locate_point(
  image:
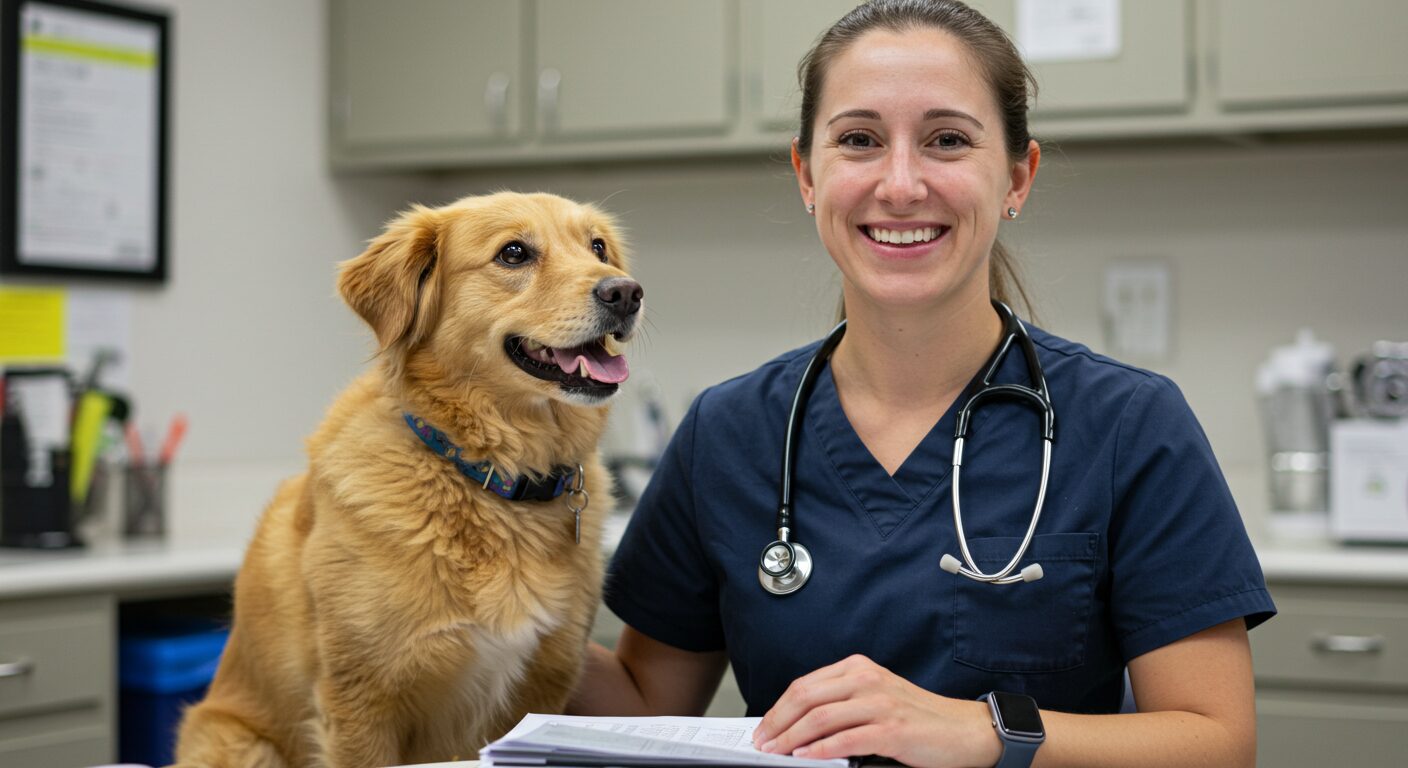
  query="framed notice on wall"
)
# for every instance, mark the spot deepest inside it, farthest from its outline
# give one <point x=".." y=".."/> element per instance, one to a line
<point x="84" y="90"/>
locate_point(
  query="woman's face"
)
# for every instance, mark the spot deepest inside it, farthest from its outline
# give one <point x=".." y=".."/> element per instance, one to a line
<point x="908" y="170"/>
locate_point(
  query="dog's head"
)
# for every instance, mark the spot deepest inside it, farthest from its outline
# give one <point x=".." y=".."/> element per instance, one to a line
<point x="527" y="294"/>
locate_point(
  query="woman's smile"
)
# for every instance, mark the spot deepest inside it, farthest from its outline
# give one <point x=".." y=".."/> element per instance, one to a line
<point x="903" y="240"/>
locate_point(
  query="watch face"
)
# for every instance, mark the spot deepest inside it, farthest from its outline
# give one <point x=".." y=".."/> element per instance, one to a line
<point x="1018" y="713"/>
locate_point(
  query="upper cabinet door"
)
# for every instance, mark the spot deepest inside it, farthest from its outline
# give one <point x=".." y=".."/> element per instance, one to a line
<point x="776" y="35"/>
<point x="633" y="67"/>
<point x="1288" y="53"/>
<point x="425" y="72"/>
<point x="1151" y="72"/>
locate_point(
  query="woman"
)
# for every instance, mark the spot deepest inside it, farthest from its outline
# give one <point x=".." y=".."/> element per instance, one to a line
<point x="913" y="147"/>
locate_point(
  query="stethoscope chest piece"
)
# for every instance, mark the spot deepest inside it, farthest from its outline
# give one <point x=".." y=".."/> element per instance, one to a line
<point x="784" y="567"/>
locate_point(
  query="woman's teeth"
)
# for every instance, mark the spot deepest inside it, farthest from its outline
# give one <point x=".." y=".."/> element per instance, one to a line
<point x="903" y="237"/>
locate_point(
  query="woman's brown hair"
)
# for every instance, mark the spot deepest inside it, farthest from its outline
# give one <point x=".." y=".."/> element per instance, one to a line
<point x="1009" y="78"/>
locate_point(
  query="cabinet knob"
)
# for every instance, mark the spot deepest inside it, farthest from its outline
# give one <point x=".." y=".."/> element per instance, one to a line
<point x="16" y="668"/>
<point x="1348" y="643"/>
<point x="549" y="83"/>
<point x="496" y="100"/>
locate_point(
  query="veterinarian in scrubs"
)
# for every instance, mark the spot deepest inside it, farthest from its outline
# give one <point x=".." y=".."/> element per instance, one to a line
<point x="913" y="153"/>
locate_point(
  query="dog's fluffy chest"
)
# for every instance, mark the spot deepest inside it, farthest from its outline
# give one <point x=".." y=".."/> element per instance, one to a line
<point x="500" y="660"/>
<point x="481" y="692"/>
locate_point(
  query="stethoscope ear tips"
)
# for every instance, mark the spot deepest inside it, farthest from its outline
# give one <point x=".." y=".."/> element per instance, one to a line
<point x="951" y="564"/>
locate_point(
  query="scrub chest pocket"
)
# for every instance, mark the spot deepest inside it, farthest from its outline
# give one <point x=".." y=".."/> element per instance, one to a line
<point x="1037" y="626"/>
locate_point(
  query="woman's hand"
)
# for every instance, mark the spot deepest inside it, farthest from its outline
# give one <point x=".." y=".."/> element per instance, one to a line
<point x="857" y="707"/>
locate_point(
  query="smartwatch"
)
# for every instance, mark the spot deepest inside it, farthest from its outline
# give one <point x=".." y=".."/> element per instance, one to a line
<point x="1017" y="721"/>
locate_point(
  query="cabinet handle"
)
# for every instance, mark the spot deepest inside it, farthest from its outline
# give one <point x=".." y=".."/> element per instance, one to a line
<point x="496" y="100"/>
<point x="549" y="82"/>
<point x="16" y="668"/>
<point x="1348" y="643"/>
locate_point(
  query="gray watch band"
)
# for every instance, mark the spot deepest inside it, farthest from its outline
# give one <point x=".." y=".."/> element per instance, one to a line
<point x="1016" y="754"/>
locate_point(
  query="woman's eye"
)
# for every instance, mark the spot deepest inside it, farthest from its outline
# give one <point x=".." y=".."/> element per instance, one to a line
<point x="599" y="248"/>
<point x="951" y="140"/>
<point x="857" y="140"/>
<point x="513" y="254"/>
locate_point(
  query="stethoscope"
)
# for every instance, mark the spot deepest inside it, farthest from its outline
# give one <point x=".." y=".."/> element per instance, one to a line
<point x="785" y="565"/>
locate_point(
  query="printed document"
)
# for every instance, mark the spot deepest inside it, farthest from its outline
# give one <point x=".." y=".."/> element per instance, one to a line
<point x="565" y="740"/>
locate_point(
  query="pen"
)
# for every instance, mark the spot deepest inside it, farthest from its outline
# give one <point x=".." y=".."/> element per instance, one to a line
<point x="173" y="439"/>
<point x="134" y="446"/>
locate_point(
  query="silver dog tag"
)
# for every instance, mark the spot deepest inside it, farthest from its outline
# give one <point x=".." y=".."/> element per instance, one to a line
<point x="577" y="491"/>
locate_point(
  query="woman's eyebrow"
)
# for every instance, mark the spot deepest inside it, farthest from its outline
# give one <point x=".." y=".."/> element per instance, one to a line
<point x="932" y="114"/>
<point x="867" y="114"/>
<point x="935" y="114"/>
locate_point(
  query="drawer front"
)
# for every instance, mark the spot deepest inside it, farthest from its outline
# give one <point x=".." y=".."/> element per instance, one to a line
<point x="93" y="746"/>
<point x="55" y="654"/>
<point x="1335" y="643"/>
<point x="1313" y="730"/>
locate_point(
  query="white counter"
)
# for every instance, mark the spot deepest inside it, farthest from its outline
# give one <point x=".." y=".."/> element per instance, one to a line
<point x="120" y="568"/>
<point x="123" y="567"/>
<point x="1326" y="562"/>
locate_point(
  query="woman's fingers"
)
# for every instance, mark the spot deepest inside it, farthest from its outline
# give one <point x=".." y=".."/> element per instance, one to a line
<point x="812" y="689"/>
<point x="832" y="726"/>
<point x="864" y="739"/>
<point x="826" y="686"/>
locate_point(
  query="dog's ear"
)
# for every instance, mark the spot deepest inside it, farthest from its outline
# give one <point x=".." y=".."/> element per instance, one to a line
<point x="393" y="285"/>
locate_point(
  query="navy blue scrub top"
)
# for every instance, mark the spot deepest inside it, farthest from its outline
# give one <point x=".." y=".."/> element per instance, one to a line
<point x="1140" y="539"/>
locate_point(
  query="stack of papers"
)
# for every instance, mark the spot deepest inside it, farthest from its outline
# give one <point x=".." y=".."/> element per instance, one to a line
<point x="590" y="742"/>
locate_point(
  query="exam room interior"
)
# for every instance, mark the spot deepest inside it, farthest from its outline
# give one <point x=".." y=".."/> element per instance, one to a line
<point x="249" y="338"/>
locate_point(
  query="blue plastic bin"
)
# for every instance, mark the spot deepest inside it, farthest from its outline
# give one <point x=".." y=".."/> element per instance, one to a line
<point x="163" y="666"/>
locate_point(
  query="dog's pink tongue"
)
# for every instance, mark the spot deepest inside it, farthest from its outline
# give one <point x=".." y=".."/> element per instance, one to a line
<point x="594" y="362"/>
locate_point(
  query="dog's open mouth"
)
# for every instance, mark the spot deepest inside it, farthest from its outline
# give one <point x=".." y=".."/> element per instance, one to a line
<point x="586" y="368"/>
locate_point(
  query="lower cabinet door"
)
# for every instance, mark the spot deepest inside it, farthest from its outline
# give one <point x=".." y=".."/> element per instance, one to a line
<point x="1318" y="729"/>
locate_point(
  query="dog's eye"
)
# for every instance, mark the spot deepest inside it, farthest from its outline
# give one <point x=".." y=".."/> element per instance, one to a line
<point x="513" y="254"/>
<point x="599" y="248"/>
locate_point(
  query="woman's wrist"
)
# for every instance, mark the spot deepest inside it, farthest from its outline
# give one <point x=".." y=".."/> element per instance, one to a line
<point x="986" y="747"/>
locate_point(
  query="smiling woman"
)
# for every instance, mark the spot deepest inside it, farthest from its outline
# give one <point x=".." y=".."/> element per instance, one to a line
<point x="913" y="152"/>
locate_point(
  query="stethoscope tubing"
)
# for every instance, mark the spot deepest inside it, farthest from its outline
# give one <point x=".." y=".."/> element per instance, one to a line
<point x="785" y="566"/>
<point x="1003" y="576"/>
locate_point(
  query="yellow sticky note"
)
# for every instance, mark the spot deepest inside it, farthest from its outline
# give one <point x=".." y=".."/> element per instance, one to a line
<point x="31" y="324"/>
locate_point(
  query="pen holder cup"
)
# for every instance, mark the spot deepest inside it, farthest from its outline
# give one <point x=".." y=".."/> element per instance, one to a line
<point x="144" y="510"/>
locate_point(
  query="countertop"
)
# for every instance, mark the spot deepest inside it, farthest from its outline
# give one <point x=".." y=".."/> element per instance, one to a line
<point x="120" y="567"/>
<point x="133" y="566"/>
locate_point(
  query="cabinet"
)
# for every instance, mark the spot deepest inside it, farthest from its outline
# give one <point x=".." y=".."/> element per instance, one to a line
<point x="1151" y="72"/>
<point x="1332" y="676"/>
<point x="776" y="35"/>
<point x="426" y="72"/>
<point x="434" y="82"/>
<point x="453" y="83"/>
<point x="56" y="673"/>
<point x="633" y="68"/>
<point x="1352" y="52"/>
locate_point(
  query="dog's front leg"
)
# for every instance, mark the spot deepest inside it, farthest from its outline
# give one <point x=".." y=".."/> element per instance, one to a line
<point x="355" y="720"/>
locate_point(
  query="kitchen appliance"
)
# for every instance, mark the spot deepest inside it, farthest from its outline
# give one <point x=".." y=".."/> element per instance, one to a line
<point x="1369" y="478"/>
<point x="1297" y="401"/>
<point x="1381" y="381"/>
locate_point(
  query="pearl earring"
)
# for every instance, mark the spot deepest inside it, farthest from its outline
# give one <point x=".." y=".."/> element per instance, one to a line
<point x="811" y="208"/>
<point x="1011" y="213"/>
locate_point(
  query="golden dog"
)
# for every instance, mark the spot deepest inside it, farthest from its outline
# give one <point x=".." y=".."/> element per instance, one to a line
<point x="390" y="609"/>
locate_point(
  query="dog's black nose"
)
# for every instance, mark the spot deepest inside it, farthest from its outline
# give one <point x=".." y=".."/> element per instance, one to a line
<point x="621" y="295"/>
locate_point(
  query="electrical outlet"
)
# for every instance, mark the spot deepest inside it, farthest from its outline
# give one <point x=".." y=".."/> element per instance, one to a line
<point x="1138" y="310"/>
